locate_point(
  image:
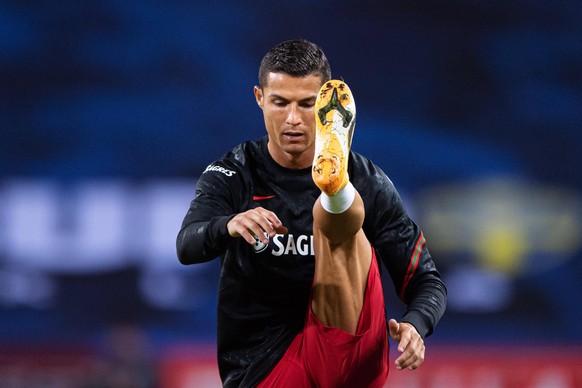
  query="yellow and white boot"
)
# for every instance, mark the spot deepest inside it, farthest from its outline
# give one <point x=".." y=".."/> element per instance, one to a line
<point x="335" y="119"/>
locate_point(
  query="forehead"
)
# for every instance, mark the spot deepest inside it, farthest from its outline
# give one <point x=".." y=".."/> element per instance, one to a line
<point x="283" y="84"/>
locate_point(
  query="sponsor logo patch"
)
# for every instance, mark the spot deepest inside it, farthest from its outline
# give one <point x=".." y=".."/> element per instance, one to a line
<point x="259" y="246"/>
<point x="219" y="169"/>
<point x="286" y="244"/>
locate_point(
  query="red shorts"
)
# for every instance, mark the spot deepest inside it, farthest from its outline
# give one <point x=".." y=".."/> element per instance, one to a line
<point x="326" y="356"/>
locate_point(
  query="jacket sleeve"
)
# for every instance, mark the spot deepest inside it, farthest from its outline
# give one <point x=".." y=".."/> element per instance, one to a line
<point x="402" y="247"/>
<point x="204" y="235"/>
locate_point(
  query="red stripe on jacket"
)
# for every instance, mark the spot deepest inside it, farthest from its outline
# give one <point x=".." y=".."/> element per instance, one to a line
<point x="413" y="265"/>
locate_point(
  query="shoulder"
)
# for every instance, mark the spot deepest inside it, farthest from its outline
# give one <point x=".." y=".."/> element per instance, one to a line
<point x="234" y="161"/>
<point x="373" y="184"/>
<point x="243" y="152"/>
<point x="360" y="163"/>
<point x="366" y="172"/>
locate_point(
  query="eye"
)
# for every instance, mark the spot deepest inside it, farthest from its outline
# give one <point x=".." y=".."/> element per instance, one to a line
<point x="279" y="103"/>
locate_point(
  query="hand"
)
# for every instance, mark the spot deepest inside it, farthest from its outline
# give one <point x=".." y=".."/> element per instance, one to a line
<point x="410" y="344"/>
<point x="255" y="222"/>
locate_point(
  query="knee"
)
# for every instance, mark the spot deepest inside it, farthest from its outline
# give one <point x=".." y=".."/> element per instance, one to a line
<point x="338" y="228"/>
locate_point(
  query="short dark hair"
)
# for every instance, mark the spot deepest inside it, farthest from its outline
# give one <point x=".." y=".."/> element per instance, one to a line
<point x="298" y="58"/>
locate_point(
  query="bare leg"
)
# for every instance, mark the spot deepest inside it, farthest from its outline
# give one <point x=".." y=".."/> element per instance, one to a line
<point x="342" y="261"/>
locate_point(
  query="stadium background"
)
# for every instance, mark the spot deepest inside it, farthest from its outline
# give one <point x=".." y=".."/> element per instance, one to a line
<point x="111" y="110"/>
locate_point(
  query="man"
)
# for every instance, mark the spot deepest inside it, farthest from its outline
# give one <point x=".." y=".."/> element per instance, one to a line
<point x="300" y="222"/>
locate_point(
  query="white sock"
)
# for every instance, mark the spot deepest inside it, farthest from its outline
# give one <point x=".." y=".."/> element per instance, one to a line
<point x="340" y="202"/>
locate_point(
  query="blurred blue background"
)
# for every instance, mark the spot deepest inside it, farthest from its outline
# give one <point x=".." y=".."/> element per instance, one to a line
<point x="111" y="110"/>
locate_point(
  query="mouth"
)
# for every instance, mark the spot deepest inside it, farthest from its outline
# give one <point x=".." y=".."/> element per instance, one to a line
<point x="294" y="135"/>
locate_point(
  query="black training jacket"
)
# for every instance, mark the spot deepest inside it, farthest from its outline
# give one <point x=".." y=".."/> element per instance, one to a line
<point x="264" y="290"/>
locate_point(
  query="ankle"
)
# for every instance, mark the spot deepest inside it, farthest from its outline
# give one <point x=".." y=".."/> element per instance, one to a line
<point x="339" y="202"/>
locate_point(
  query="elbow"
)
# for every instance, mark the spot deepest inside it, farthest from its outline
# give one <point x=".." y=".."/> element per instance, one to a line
<point x="191" y="250"/>
<point x="182" y="256"/>
<point x="187" y="258"/>
<point x="185" y="255"/>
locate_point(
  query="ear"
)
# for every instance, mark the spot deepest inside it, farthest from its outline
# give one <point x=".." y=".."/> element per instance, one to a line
<point x="258" y="96"/>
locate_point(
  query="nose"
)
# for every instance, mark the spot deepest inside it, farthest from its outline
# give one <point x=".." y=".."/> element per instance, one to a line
<point x="293" y="118"/>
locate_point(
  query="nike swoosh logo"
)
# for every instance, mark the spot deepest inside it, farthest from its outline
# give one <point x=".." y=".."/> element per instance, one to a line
<point x="262" y="197"/>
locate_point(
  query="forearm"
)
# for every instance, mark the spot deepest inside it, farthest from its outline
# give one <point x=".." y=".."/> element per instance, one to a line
<point x="199" y="242"/>
<point x="427" y="304"/>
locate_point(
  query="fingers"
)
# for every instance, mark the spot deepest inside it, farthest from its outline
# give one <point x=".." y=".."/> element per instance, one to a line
<point x="393" y="327"/>
<point x="281" y="230"/>
<point x="410" y="344"/>
<point x="255" y="222"/>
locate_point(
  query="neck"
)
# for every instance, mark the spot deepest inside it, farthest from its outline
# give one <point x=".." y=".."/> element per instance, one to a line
<point x="289" y="160"/>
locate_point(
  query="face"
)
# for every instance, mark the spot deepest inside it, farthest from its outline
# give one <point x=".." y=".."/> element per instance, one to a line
<point x="288" y="109"/>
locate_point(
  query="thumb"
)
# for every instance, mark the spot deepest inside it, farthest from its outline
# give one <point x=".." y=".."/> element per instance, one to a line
<point x="394" y="326"/>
